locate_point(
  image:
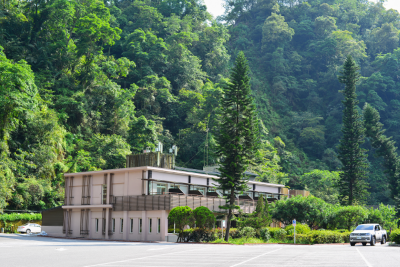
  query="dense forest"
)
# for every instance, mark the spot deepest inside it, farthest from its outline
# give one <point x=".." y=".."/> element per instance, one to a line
<point x="84" y="83"/>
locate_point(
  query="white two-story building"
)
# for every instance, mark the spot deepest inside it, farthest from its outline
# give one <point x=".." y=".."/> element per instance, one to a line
<point x="133" y="203"/>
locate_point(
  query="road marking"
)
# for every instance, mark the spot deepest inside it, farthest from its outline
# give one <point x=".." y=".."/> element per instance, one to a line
<point x="61" y="249"/>
<point x="362" y="256"/>
<point x="157" y="248"/>
<point x="102" y="264"/>
<point x="255" y="257"/>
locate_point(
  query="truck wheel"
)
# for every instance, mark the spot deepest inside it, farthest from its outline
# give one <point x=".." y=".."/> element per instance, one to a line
<point x="383" y="241"/>
<point x="373" y="240"/>
<point x="352" y="244"/>
<point x="364" y="244"/>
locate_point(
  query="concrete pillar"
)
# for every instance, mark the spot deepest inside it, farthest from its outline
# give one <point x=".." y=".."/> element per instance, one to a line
<point x="126" y="226"/>
<point x="91" y="229"/>
<point x="108" y="188"/>
<point x="107" y="221"/>
<point x="164" y="225"/>
<point x="144" y="226"/>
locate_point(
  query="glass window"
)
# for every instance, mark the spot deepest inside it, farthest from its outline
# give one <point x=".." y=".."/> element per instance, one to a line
<point x="182" y="187"/>
<point x="201" y="189"/>
<point x="161" y="188"/>
<point x="150" y="223"/>
<point x="365" y="227"/>
<point x="104" y="194"/>
<point x="140" y="225"/>
<point x="96" y="222"/>
<point x="158" y="225"/>
<point x="131" y="226"/>
<point x="121" y="225"/>
<point x="113" y="225"/>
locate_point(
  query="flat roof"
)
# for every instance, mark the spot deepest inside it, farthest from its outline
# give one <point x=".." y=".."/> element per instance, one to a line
<point x="147" y="168"/>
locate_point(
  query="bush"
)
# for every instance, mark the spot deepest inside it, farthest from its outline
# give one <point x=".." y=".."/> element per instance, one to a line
<point x="248" y="232"/>
<point x="395" y="236"/>
<point x="204" y="218"/>
<point x="264" y="234"/>
<point x="323" y="237"/>
<point x="233" y="233"/>
<point x="300" y="229"/>
<point x="277" y="233"/>
<point x="199" y="235"/>
<point x="12" y="217"/>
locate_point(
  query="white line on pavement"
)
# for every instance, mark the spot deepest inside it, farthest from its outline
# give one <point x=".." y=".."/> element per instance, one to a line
<point x="255" y="257"/>
<point x="362" y="256"/>
<point x="103" y="264"/>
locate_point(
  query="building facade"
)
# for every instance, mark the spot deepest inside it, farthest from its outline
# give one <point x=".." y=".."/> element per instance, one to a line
<point x="133" y="203"/>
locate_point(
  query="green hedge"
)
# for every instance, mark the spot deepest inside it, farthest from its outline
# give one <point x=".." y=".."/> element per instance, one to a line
<point x="12" y="217"/>
<point x="321" y="237"/>
<point x="300" y="229"/>
<point x="277" y="233"/>
<point x="395" y="236"/>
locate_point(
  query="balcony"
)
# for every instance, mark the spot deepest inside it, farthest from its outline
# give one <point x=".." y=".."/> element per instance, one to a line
<point x="170" y="201"/>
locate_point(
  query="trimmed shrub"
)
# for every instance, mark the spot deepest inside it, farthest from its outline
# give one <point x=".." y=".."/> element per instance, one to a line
<point x="264" y="234"/>
<point x="323" y="237"/>
<point x="234" y="233"/>
<point x="300" y="229"/>
<point x="247" y="232"/>
<point x="12" y="217"/>
<point x="395" y="236"/>
<point x="277" y="233"/>
<point x="199" y="235"/>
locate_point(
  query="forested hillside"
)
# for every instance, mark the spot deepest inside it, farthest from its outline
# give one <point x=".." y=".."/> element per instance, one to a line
<point x="84" y="83"/>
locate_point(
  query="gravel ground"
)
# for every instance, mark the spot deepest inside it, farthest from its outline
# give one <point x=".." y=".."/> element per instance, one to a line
<point x="22" y="250"/>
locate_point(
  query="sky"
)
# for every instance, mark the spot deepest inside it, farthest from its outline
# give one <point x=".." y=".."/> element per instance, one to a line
<point x="216" y="9"/>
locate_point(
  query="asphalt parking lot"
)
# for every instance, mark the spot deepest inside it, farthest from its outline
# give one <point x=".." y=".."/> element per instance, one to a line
<point x="22" y="250"/>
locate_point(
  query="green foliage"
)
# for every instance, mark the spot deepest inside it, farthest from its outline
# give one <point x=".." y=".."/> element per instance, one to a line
<point x="322" y="184"/>
<point x="237" y="139"/>
<point x="265" y="234"/>
<point x="349" y="216"/>
<point x="247" y="232"/>
<point x="277" y="233"/>
<point x="181" y="216"/>
<point x="395" y="236"/>
<point x="309" y="210"/>
<point x="300" y="229"/>
<point x="323" y="237"/>
<point x="259" y="219"/>
<point x="352" y="185"/>
<point x="204" y="218"/>
<point x="13" y="217"/>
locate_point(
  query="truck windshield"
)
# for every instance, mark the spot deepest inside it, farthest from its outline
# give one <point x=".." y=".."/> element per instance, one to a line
<point x="365" y="227"/>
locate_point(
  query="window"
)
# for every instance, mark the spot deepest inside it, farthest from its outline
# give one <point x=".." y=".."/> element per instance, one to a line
<point x="150" y="223"/>
<point x="104" y="194"/>
<point x="140" y="225"/>
<point x="201" y="189"/>
<point x="113" y="225"/>
<point x="158" y="225"/>
<point x="131" y="226"/>
<point x="121" y="225"/>
<point x="96" y="221"/>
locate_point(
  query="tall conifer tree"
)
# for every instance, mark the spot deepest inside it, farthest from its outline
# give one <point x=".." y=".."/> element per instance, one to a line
<point x="352" y="183"/>
<point x="385" y="147"/>
<point x="237" y="140"/>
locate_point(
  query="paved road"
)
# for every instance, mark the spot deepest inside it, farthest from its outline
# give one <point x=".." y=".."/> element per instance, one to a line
<point x="21" y="250"/>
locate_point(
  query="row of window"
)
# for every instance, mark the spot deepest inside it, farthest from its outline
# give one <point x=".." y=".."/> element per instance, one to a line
<point x="131" y="228"/>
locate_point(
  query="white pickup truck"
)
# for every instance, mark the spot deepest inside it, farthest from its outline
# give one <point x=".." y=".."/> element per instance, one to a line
<point x="368" y="233"/>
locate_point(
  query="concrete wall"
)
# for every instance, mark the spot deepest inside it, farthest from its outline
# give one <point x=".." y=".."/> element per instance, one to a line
<point x="53" y="230"/>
